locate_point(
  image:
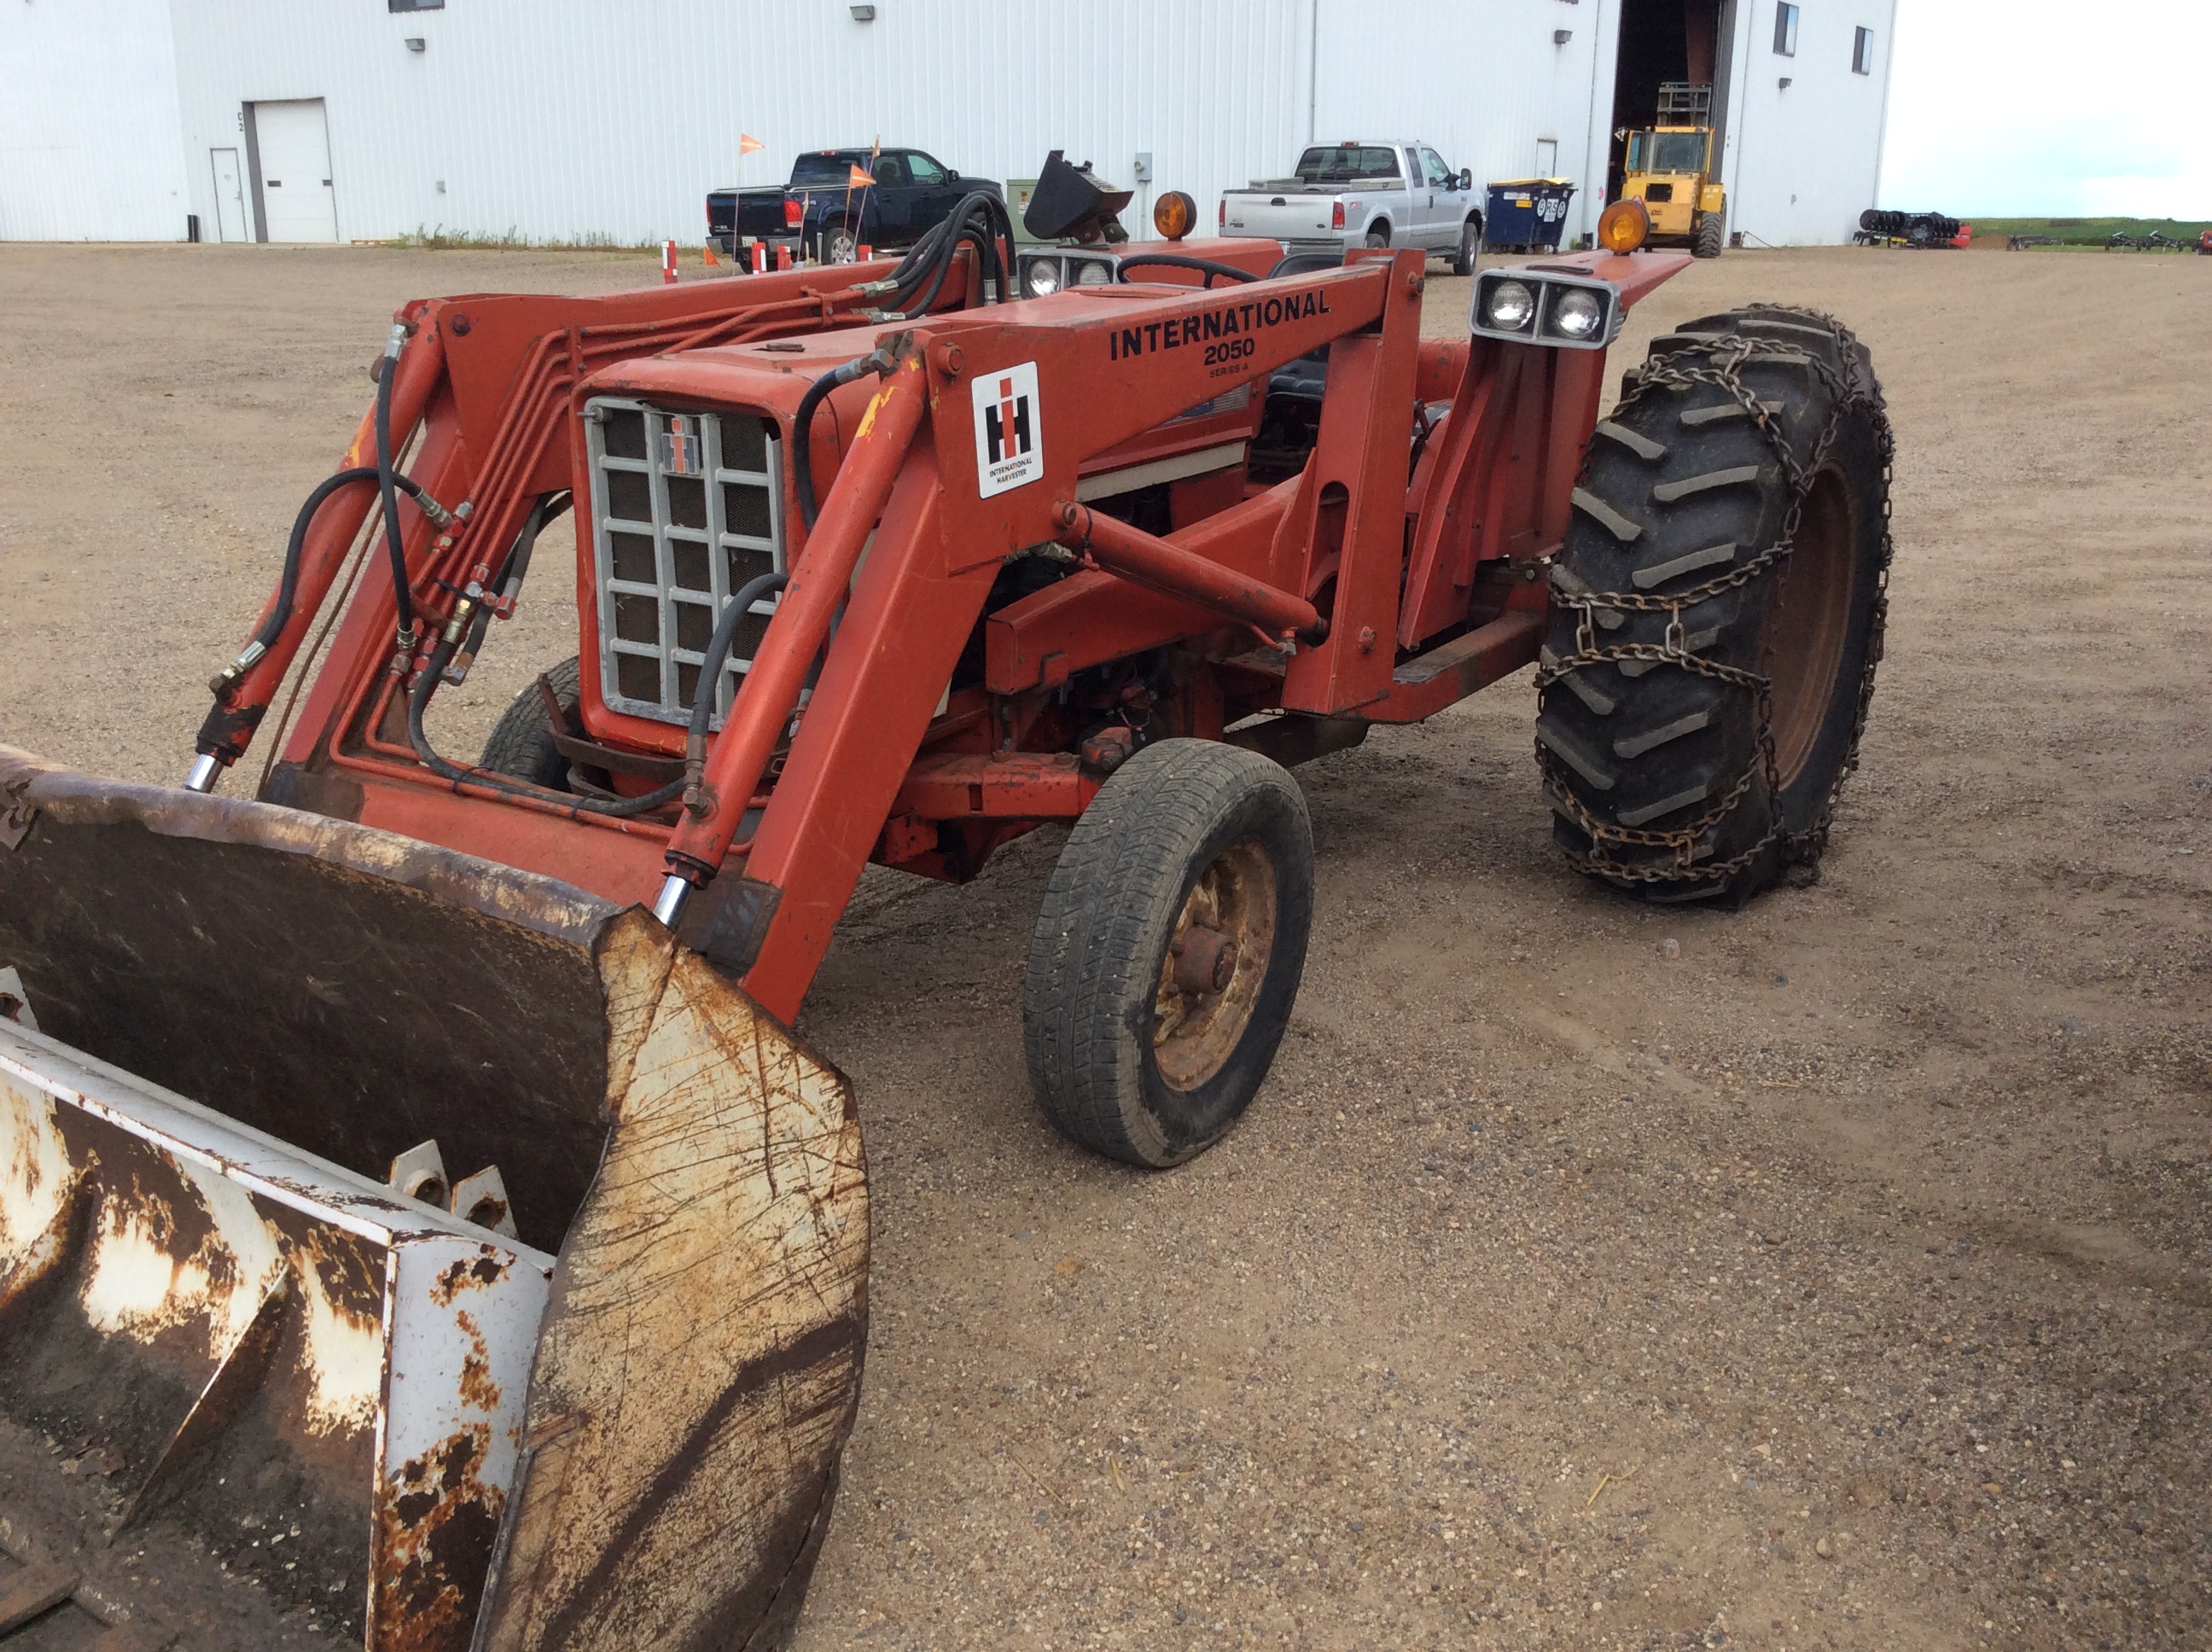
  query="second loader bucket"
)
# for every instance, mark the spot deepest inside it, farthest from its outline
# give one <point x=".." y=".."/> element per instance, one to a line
<point x="588" y="1390"/>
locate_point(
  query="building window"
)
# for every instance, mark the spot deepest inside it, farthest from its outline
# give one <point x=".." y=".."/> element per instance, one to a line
<point x="1785" y="30"/>
<point x="415" y="5"/>
<point x="1863" y="51"/>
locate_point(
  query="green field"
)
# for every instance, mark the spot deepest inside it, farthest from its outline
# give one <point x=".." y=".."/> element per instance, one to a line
<point x="2091" y="232"/>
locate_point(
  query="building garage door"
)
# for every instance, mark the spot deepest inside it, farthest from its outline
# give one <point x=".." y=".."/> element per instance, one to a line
<point x="297" y="203"/>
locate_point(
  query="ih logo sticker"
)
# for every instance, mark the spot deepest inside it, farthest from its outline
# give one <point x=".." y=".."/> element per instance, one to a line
<point x="679" y="447"/>
<point x="1008" y="446"/>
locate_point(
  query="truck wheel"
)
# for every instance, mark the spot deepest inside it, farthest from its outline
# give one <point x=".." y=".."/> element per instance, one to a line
<point x="1712" y="236"/>
<point x="1379" y="236"/>
<point x="837" y="245"/>
<point x="1717" y="608"/>
<point x="521" y="743"/>
<point x="1167" y="951"/>
<point x="1470" y="243"/>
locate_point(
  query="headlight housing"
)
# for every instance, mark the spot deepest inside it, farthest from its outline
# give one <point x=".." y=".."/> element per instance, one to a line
<point x="1545" y="304"/>
<point x="1045" y="270"/>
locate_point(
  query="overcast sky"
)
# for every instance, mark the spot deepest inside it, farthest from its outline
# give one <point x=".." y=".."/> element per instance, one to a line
<point x="2027" y="107"/>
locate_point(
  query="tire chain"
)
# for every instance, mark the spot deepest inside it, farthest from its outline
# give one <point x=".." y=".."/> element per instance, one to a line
<point x="1852" y="388"/>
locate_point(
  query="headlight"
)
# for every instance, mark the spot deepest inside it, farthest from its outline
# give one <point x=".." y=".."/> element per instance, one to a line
<point x="1090" y="272"/>
<point x="1041" y="277"/>
<point x="1560" y="305"/>
<point x="1577" y="313"/>
<point x="1510" y="306"/>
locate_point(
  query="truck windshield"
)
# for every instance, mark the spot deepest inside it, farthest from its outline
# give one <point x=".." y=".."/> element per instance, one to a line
<point x="1677" y="152"/>
<point x="814" y="170"/>
<point x="1348" y="163"/>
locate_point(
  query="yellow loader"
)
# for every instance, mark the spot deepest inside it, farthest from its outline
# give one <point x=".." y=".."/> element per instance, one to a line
<point x="1670" y="170"/>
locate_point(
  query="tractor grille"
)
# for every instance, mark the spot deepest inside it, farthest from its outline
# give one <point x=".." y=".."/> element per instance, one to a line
<point x="686" y="506"/>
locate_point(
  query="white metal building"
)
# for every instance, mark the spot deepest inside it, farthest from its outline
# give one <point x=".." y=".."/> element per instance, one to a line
<point x="579" y="120"/>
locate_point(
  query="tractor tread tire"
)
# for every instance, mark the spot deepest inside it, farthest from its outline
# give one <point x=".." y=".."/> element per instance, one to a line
<point x="1648" y="745"/>
<point x="1712" y="237"/>
<point x="1095" y="959"/>
<point x="522" y="742"/>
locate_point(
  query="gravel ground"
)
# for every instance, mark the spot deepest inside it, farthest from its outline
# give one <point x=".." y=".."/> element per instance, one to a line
<point x="1830" y="1273"/>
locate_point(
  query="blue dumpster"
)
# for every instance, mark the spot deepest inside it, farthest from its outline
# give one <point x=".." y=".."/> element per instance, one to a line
<point x="1527" y="215"/>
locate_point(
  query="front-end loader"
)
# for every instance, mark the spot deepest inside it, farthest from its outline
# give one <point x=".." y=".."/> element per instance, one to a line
<point x="417" y="1154"/>
<point x="1670" y="169"/>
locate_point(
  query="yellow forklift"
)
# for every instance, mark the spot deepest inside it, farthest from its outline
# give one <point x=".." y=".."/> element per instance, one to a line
<point x="1670" y="170"/>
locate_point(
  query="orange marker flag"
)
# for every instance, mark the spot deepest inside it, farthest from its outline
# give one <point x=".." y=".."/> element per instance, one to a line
<point x="747" y="145"/>
<point x="856" y="179"/>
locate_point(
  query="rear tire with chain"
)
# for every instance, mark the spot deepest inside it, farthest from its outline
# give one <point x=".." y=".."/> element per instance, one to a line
<point x="1654" y="728"/>
<point x="1167" y="951"/>
<point x="522" y="742"/>
<point x="1712" y="236"/>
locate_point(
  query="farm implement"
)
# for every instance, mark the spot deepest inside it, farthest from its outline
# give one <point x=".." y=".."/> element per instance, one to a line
<point x="417" y="1154"/>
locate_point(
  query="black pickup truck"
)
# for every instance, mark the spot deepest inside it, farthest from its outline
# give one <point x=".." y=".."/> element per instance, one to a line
<point x="824" y="215"/>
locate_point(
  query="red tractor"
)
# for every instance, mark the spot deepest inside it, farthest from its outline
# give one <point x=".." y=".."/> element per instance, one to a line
<point x="881" y="563"/>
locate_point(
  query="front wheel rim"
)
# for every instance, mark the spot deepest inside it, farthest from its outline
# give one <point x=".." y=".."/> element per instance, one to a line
<point x="1196" y="1028"/>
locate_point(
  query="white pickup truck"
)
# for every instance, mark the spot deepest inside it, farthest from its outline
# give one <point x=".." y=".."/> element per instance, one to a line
<point x="1386" y="193"/>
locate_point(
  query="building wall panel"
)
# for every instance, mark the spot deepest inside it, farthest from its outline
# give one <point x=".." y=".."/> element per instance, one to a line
<point x="88" y="123"/>
<point x="1803" y="160"/>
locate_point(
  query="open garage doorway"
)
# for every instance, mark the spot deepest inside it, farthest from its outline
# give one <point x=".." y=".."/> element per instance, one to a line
<point x="1664" y="40"/>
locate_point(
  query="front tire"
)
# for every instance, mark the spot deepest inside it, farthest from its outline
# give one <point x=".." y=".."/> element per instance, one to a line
<point x="1167" y="951"/>
<point x="522" y="742"/>
<point x="1717" y="609"/>
<point x="1712" y="236"/>
<point x="1470" y="243"/>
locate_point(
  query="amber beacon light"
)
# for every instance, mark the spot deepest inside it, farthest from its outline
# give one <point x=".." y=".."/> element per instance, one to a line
<point x="1174" y="215"/>
<point x="1622" y="226"/>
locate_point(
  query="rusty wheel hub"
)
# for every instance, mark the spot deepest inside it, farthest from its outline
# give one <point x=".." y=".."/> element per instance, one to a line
<point x="1215" y="962"/>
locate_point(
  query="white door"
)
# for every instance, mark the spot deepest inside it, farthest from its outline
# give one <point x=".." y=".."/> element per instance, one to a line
<point x="230" y="223"/>
<point x="1446" y="204"/>
<point x="1547" y="157"/>
<point x="296" y="198"/>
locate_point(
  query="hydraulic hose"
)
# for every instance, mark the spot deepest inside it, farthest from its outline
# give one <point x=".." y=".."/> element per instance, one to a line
<point x="703" y="714"/>
<point x="1177" y="261"/>
<point x="418" y="697"/>
<point x="802" y="426"/>
<point x="513" y="569"/>
<point x="387" y="481"/>
<point x="287" y="584"/>
<point x="710" y="673"/>
<point x="931" y="258"/>
<point x="981" y="220"/>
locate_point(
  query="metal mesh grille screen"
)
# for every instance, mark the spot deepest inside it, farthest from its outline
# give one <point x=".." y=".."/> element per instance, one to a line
<point x="686" y="507"/>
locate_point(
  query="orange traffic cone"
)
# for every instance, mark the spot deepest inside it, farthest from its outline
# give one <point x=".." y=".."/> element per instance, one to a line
<point x="712" y="261"/>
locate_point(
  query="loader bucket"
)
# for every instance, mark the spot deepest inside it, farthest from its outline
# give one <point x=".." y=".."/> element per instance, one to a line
<point x="605" y="1412"/>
